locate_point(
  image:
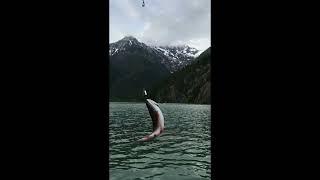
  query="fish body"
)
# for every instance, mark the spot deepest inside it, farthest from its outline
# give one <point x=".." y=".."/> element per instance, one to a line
<point x="157" y="120"/>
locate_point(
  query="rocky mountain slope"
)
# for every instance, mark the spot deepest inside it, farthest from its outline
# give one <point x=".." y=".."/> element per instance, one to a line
<point x="177" y="57"/>
<point x="188" y="85"/>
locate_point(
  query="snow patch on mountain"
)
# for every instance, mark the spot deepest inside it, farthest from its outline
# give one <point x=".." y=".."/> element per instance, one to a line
<point x="198" y="53"/>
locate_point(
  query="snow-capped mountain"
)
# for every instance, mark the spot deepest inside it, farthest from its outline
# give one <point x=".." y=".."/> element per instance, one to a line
<point x="126" y="44"/>
<point x="172" y="57"/>
<point x="133" y="66"/>
<point x="177" y="56"/>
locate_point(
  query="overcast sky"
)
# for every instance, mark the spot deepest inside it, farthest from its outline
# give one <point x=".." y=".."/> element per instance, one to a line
<point x="162" y="22"/>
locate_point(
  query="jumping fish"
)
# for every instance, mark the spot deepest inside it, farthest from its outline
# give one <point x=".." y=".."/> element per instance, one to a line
<point x="157" y="119"/>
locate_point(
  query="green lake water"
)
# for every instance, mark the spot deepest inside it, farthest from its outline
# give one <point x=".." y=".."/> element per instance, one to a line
<point x="182" y="152"/>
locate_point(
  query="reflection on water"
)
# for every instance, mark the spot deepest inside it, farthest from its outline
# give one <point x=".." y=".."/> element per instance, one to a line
<point x="181" y="152"/>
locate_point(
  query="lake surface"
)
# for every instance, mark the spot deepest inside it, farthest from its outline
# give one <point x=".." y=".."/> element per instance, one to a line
<point x="183" y="151"/>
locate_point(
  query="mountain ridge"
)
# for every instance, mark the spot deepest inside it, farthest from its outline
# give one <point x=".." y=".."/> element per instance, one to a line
<point x="174" y="57"/>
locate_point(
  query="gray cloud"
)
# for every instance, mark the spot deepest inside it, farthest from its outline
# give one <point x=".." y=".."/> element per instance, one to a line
<point x="162" y="22"/>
